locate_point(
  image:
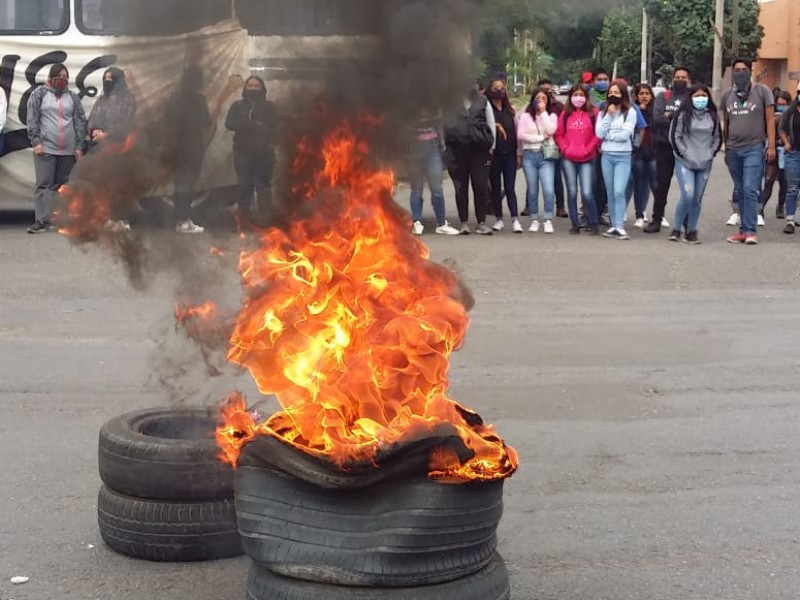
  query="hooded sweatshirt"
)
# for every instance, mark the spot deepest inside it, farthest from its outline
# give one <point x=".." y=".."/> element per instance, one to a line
<point x="56" y="120"/>
<point x="576" y="138"/>
<point x="665" y="106"/>
<point x="697" y="146"/>
<point x="532" y="133"/>
<point x="114" y="113"/>
<point x="617" y="131"/>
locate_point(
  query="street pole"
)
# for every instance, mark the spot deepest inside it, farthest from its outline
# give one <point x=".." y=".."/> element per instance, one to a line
<point x="719" y="25"/>
<point x="735" y="42"/>
<point x="644" y="75"/>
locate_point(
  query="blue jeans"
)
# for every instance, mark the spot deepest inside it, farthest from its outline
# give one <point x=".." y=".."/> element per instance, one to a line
<point x="583" y="173"/>
<point x="746" y="166"/>
<point x="425" y="163"/>
<point x="692" y="185"/>
<point x="616" y="173"/>
<point x="792" y="170"/>
<point x="537" y="170"/>
<point x="644" y="181"/>
<point x="504" y="171"/>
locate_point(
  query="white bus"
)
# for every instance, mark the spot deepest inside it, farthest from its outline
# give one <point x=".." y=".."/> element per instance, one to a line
<point x="287" y="42"/>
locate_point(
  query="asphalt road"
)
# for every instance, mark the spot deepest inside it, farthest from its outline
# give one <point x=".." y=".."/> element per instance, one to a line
<point x="650" y="388"/>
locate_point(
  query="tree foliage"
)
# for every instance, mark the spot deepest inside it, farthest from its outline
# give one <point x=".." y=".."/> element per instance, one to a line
<point x="621" y="40"/>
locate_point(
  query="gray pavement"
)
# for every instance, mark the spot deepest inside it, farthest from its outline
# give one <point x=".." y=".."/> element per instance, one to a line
<point x="649" y="387"/>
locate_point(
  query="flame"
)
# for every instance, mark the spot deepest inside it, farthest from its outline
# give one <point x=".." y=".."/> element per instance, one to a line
<point x="351" y="326"/>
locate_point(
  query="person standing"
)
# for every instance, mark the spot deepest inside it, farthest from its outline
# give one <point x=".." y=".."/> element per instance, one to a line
<point x="575" y="136"/>
<point x="503" y="172"/>
<point x="696" y="137"/>
<point x="664" y="108"/>
<point x="558" y="108"/>
<point x="790" y="141"/>
<point x="597" y="94"/>
<point x="470" y="141"/>
<point x="536" y="129"/>
<point x="57" y="129"/>
<point x="644" y="157"/>
<point x="748" y="113"/>
<point x="615" y="128"/>
<point x="775" y="171"/>
<point x="254" y="121"/>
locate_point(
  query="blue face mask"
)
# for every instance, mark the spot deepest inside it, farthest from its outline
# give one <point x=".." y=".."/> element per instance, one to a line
<point x="601" y="86"/>
<point x="780" y="108"/>
<point x="700" y="102"/>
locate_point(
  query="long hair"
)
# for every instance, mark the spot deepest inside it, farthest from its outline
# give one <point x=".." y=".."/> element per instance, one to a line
<point x="622" y="86"/>
<point x="531" y="109"/>
<point x="569" y="109"/>
<point x="118" y="76"/>
<point x="685" y="112"/>
<point x="648" y="111"/>
<point x="55" y="71"/>
<point x="790" y="114"/>
<point x="506" y="103"/>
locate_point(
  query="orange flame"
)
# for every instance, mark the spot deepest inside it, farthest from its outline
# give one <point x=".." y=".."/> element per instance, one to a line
<point x="351" y="327"/>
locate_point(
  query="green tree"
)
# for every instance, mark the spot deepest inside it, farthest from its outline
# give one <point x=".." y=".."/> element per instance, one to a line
<point x="621" y="41"/>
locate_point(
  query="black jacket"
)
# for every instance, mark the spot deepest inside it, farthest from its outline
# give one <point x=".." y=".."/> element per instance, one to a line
<point x="255" y="126"/>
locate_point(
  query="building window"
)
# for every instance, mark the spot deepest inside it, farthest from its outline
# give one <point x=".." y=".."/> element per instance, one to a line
<point x="19" y="17"/>
<point x="161" y="17"/>
<point x="309" y="17"/>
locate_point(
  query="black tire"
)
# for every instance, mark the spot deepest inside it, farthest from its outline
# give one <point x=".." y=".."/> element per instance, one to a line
<point x="490" y="583"/>
<point x="410" y="532"/>
<point x="164" y="454"/>
<point x="168" y="531"/>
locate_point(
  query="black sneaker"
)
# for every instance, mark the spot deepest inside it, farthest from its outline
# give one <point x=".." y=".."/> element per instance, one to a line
<point x="38" y="227"/>
<point x="594" y="229"/>
<point x="562" y="214"/>
<point x="780" y="212"/>
<point x="691" y="238"/>
<point x="654" y="226"/>
<point x="575" y="230"/>
<point x="789" y="229"/>
<point x="525" y="213"/>
<point x="675" y="236"/>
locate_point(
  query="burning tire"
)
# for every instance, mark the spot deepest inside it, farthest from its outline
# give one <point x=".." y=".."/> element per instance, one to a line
<point x="168" y="531"/>
<point x="397" y="533"/>
<point x="490" y="583"/>
<point x="164" y="454"/>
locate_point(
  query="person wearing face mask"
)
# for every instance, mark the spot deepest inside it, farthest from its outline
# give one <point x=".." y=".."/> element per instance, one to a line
<point x="114" y="112"/>
<point x="696" y="138"/>
<point x="748" y="111"/>
<point x="578" y="143"/>
<point x="57" y="129"/>
<point x="775" y="171"/>
<point x="254" y="121"/>
<point x="664" y="108"/>
<point x="505" y="161"/>
<point x="597" y="94"/>
<point x="790" y="140"/>
<point x="558" y="108"/>
<point x="615" y="127"/>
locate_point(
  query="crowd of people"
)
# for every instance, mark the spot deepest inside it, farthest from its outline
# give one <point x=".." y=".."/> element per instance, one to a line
<point x="61" y="134"/>
<point x="614" y="147"/>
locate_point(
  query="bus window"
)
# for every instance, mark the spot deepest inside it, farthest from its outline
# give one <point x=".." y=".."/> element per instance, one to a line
<point x="21" y="17"/>
<point x="160" y="18"/>
<point x="309" y="17"/>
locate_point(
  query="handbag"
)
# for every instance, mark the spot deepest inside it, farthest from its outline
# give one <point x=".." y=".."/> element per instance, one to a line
<point x="549" y="148"/>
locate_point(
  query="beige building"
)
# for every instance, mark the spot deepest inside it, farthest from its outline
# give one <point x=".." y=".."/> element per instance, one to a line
<point x="779" y="58"/>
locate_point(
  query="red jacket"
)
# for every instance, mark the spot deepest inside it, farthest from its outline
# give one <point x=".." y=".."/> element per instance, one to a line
<point x="576" y="138"/>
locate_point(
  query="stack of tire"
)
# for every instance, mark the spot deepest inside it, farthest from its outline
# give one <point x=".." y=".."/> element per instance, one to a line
<point x="166" y="496"/>
<point x="407" y="539"/>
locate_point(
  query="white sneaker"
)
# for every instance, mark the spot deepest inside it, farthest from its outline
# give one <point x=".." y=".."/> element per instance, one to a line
<point x="516" y="226"/>
<point x="465" y="230"/>
<point x="188" y="227"/>
<point x="664" y="223"/>
<point x="761" y="221"/>
<point x="548" y="227"/>
<point x="733" y="221"/>
<point x="639" y="224"/>
<point x="447" y="229"/>
<point x="499" y="225"/>
<point x="646" y="219"/>
<point x="534" y="228"/>
<point x="417" y="228"/>
<point x="117" y="226"/>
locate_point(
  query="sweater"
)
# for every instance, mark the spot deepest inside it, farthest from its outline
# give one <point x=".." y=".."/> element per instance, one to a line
<point x="616" y="131"/>
<point x="532" y="133"/>
<point x="696" y="147"/>
<point x="576" y="138"/>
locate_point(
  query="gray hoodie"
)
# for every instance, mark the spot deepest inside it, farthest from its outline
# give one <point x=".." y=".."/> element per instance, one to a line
<point x="697" y="146"/>
<point x="57" y="121"/>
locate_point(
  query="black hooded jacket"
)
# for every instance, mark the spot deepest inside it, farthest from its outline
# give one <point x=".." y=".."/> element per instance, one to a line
<point x="255" y="125"/>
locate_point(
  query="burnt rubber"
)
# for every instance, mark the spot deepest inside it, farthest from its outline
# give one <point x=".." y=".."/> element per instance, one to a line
<point x="408" y="532"/>
<point x="490" y="583"/>
<point x="168" y="531"/>
<point x="164" y="454"/>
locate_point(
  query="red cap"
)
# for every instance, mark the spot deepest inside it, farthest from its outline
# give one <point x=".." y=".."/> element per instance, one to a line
<point x="587" y="77"/>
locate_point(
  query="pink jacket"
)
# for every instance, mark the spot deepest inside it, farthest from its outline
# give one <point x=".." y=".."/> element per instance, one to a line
<point x="532" y="133"/>
<point x="576" y="139"/>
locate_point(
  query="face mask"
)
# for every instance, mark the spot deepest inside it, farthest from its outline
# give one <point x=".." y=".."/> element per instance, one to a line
<point x="700" y="102"/>
<point x="108" y="87"/>
<point x="679" y="87"/>
<point x="601" y="86"/>
<point x="499" y="95"/>
<point x="780" y="108"/>
<point x="741" y="80"/>
<point x="60" y="83"/>
<point x="614" y="100"/>
<point x="578" y="101"/>
<point x="253" y="95"/>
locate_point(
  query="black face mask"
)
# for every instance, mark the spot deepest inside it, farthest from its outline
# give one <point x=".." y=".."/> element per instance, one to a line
<point x="108" y="86"/>
<point x="679" y="87"/>
<point x="253" y="95"/>
<point x="614" y="100"/>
